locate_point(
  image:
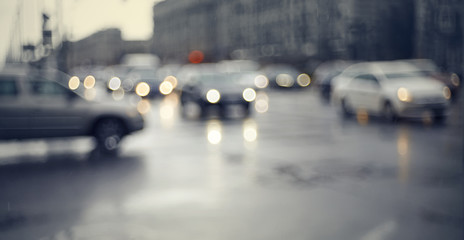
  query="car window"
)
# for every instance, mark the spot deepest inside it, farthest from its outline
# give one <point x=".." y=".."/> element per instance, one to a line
<point x="368" y="78"/>
<point x="223" y="79"/>
<point x="8" y="87"/>
<point x="46" y="88"/>
<point x="404" y="75"/>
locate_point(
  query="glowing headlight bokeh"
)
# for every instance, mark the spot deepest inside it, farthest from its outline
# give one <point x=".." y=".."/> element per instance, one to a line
<point x="249" y="94"/>
<point x="142" y="89"/>
<point x="303" y="80"/>
<point x="262" y="102"/>
<point x="214" y="132"/>
<point x="285" y="80"/>
<point x="213" y="96"/>
<point x="404" y="95"/>
<point x="89" y="82"/>
<point x="172" y="80"/>
<point x="73" y="83"/>
<point x="118" y="94"/>
<point x="446" y="93"/>
<point x="143" y="106"/>
<point x="114" y="83"/>
<point x="250" y="133"/>
<point x="90" y="94"/>
<point x="261" y="81"/>
<point x="166" y="88"/>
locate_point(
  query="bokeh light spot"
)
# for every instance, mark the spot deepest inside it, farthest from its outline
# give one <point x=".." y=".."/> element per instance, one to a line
<point x="143" y="106"/>
<point x="249" y="94"/>
<point x="114" y="83"/>
<point x="172" y="80"/>
<point x="89" y="82"/>
<point x="262" y="102"/>
<point x="166" y="88"/>
<point x="261" y="81"/>
<point x="73" y="83"/>
<point x="142" y="89"/>
<point x="90" y="94"/>
<point x="196" y="56"/>
<point x="285" y="80"/>
<point x="362" y="117"/>
<point x="213" y="96"/>
<point x="118" y="94"/>
<point x="250" y="133"/>
<point x="455" y="80"/>
<point x="214" y="132"/>
<point x="447" y="93"/>
<point x="303" y="80"/>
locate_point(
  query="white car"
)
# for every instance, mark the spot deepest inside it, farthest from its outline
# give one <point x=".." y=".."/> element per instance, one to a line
<point x="391" y="89"/>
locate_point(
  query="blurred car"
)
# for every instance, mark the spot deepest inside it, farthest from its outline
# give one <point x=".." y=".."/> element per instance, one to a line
<point x="217" y="89"/>
<point x="143" y="81"/>
<point x="392" y="89"/>
<point x="285" y="76"/>
<point x="325" y="72"/>
<point x="33" y="106"/>
<point x="429" y="68"/>
<point x="115" y="74"/>
<point x="239" y="65"/>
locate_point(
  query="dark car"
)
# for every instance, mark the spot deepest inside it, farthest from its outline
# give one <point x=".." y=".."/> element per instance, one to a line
<point x="285" y="76"/>
<point x="34" y="106"/>
<point x="220" y="90"/>
<point x="143" y="81"/>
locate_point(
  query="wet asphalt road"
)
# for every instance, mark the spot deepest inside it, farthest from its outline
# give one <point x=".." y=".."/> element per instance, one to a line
<point x="295" y="171"/>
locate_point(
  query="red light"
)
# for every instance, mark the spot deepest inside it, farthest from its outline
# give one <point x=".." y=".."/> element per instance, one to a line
<point x="196" y="56"/>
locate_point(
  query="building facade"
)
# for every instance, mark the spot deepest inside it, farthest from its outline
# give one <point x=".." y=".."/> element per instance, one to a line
<point x="284" y="30"/>
<point x="440" y="33"/>
<point x="298" y="31"/>
<point x="102" y="48"/>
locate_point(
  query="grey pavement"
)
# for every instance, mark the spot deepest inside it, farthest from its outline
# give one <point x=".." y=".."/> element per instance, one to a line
<point x="295" y="170"/>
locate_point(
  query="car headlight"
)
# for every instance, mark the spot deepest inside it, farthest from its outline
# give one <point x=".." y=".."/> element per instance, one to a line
<point x="285" y="80"/>
<point x="142" y="89"/>
<point x="213" y="96"/>
<point x="455" y="80"/>
<point x="166" y="88"/>
<point x="404" y="95"/>
<point x="261" y="81"/>
<point x="249" y="94"/>
<point x="303" y="80"/>
<point x="74" y="83"/>
<point x="114" y="83"/>
<point x="446" y="93"/>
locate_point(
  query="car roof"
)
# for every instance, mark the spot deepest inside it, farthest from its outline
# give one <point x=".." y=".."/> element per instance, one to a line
<point x="382" y="67"/>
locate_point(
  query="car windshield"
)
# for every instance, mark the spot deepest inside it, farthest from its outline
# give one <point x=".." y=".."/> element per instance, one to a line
<point x="218" y="79"/>
<point x="404" y="75"/>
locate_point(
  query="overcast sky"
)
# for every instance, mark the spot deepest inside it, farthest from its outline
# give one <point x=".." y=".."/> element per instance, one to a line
<point x="78" y="18"/>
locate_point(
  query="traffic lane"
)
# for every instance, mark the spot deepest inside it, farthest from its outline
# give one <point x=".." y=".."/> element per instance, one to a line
<point x="411" y="167"/>
<point x="48" y="194"/>
<point x="305" y="170"/>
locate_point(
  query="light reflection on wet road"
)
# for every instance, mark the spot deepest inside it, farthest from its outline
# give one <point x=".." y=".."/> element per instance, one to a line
<point x="296" y="170"/>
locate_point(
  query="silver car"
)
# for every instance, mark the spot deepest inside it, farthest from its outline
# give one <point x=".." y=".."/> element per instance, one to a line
<point x="392" y="89"/>
<point x="33" y="106"/>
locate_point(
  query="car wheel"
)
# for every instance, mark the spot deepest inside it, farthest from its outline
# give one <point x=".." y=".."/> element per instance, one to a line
<point x="246" y="110"/>
<point x="108" y="133"/>
<point x="345" y="108"/>
<point x="439" y="116"/>
<point x="389" y="113"/>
